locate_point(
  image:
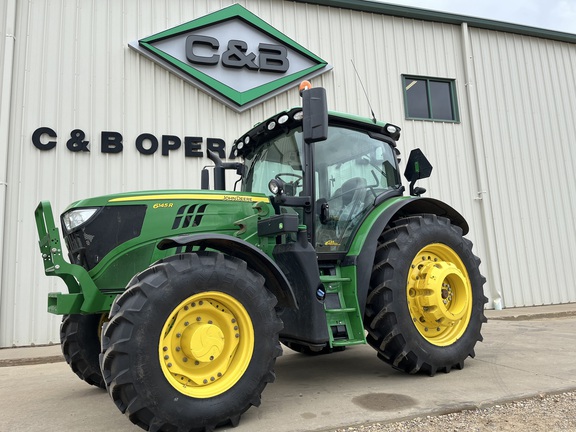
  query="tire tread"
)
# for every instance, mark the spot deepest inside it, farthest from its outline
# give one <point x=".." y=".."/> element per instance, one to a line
<point x="386" y="314"/>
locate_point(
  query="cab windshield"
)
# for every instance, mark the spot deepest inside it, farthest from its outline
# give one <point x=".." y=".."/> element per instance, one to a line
<point x="279" y="158"/>
<point x="351" y="169"/>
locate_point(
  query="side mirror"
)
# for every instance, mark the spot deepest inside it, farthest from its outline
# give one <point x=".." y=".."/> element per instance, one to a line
<point x="417" y="167"/>
<point x="315" y="111"/>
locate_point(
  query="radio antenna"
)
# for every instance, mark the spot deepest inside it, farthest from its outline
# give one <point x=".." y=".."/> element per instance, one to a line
<point x="365" y="93"/>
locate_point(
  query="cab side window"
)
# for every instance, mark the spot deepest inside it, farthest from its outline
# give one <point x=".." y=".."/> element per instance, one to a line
<point x="352" y="168"/>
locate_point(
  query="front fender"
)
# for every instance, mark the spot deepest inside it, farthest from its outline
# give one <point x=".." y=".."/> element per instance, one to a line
<point x="257" y="260"/>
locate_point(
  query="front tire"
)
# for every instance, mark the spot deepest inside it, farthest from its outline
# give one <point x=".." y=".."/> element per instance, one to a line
<point x="191" y="343"/>
<point x="425" y="307"/>
<point x="80" y="344"/>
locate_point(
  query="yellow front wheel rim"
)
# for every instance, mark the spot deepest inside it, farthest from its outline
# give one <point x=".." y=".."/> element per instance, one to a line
<point x="439" y="294"/>
<point x="103" y="319"/>
<point x="206" y="344"/>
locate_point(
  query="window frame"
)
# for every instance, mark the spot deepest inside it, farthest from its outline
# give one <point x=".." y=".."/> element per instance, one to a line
<point x="427" y="80"/>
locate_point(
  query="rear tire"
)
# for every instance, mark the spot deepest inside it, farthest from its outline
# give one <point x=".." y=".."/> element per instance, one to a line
<point x="80" y="343"/>
<point x="191" y="343"/>
<point x="425" y="307"/>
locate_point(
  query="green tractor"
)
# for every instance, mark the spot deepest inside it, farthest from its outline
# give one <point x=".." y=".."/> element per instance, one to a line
<point x="178" y="300"/>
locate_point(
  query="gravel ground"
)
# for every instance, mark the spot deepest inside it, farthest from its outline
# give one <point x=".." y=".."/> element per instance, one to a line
<point x="546" y="413"/>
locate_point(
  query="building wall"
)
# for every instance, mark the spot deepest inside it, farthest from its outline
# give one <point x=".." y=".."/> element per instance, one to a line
<point x="526" y="121"/>
<point x="73" y="70"/>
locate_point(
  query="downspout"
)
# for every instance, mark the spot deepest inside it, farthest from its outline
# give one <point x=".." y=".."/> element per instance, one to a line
<point x="5" y="103"/>
<point x="483" y="195"/>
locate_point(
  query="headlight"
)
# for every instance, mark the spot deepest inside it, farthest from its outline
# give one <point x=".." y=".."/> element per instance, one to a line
<point x="74" y="218"/>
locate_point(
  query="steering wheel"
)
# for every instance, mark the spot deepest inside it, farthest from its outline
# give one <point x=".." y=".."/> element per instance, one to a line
<point x="293" y="183"/>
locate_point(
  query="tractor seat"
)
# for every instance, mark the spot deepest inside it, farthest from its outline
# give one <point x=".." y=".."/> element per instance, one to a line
<point x="353" y="201"/>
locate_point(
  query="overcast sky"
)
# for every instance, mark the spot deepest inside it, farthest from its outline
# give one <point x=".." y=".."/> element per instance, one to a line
<point x="549" y="14"/>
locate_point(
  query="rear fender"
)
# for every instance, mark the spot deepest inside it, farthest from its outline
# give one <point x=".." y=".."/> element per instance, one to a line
<point x="257" y="260"/>
<point x="402" y="208"/>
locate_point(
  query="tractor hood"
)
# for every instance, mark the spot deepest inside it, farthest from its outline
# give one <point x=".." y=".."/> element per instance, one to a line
<point x="120" y="228"/>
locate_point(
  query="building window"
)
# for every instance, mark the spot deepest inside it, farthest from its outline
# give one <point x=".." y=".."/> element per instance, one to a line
<point x="430" y="99"/>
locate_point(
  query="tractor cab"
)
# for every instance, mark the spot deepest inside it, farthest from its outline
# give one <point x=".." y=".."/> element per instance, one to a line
<point x="330" y="183"/>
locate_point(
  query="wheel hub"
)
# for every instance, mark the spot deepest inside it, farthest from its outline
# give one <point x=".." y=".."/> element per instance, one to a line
<point x="439" y="294"/>
<point x="207" y="344"/>
<point x="434" y="286"/>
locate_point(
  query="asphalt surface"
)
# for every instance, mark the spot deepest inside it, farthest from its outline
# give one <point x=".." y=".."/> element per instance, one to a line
<point x="526" y="352"/>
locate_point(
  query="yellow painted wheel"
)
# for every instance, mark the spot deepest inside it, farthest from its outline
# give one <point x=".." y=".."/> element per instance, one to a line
<point x="439" y="294"/>
<point x="424" y="311"/>
<point x="191" y="344"/>
<point x="103" y="320"/>
<point x="206" y="344"/>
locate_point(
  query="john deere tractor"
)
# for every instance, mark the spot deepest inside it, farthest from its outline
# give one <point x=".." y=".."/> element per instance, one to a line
<point x="178" y="300"/>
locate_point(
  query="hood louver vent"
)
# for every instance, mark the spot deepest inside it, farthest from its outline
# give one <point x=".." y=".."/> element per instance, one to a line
<point x="189" y="216"/>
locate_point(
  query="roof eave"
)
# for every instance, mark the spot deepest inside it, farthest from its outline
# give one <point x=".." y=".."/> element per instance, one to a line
<point x="443" y="17"/>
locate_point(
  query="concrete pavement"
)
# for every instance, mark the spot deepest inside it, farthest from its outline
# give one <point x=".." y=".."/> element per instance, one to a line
<point x="526" y="352"/>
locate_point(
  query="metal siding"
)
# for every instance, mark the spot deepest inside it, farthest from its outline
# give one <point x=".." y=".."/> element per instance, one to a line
<point x="527" y="109"/>
<point x="3" y="33"/>
<point x="74" y="70"/>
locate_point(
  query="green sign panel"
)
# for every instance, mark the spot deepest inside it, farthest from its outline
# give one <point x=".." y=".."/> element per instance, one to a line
<point x="233" y="55"/>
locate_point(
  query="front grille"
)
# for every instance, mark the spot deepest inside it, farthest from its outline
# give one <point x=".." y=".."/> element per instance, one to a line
<point x="110" y="227"/>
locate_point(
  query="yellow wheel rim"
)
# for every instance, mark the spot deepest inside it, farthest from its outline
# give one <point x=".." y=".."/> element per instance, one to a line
<point x="439" y="294"/>
<point x="206" y="344"/>
<point x="103" y="319"/>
